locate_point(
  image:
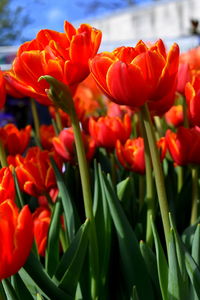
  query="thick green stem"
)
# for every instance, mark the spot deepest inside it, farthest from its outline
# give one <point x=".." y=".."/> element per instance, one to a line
<point x="3" y="158"/>
<point x="195" y="196"/>
<point x="179" y="178"/>
<point x="35" y="119"/>
<point x="58" y="120"/>
<point x="149" y="186"/>
<point x="159" y="178"/>
<point x="87" y="197"/>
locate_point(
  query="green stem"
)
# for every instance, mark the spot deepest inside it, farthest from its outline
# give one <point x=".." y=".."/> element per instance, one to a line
<point x="87" y="197"/>
<point x="149" y="186"/>
<point x="159" y="178"/>
<point x="35" y="119"/>
<point x="3" y="158"/>
<point x="58" y="120"/>
<point x="180" y="178"/>
<point x="195" y="200"/>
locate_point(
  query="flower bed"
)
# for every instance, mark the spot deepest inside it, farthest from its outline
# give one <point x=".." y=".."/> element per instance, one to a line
<point x="103" y="203"/>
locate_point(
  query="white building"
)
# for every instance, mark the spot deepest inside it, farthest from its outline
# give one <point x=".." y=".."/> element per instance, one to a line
<point x="166" y="19"/>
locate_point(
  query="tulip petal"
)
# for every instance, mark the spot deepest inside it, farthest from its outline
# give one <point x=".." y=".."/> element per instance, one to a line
<point x="126" y="84"/>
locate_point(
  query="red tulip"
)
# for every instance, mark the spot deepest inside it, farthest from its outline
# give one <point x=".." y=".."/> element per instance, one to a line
<point x="191" y="57"/>
<point x="41" y="222"/>
<point x="192" y="93"/>
<point x="184" y="145"/>
<point x="132" y="76"/>
<point x="107" y="130"/>
<point x="15" y="141"/>
<point x="16" y="230"/>
<point x="7" y="185"/>
<point x="62" y="55"/>
<point x="64" y="145"/>
<point x="47" y="133"/>
<point x="184" y="76"/>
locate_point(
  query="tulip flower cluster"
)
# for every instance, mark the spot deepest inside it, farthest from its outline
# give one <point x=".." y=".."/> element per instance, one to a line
<point x="103" y="201"/>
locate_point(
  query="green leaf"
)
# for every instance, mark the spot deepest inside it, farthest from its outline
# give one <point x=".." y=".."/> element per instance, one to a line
<point x="134" y="269"/>
<point x="135" y="294"/>
<point x="9" y="290"/>
<point x="37" y="273"/>
<point x="174" y="275"/>
<point x="20" y="288"/>
<point x="69" y="269"/>
<point x="150" y="260"/>
<point x="2" y="292"/>
<point x="161" y="263"/>
<point x="188" y="235"/>
<point x="196" y="245"/>
<point x="122" y="188"/>
<point x="66" y="202"/>
<point x="52" y="251"/>
<point x="196" y="256"/>
<point x="193" y="272"/>
<point x="103" y="228"/>
<point x="180" y="253"/>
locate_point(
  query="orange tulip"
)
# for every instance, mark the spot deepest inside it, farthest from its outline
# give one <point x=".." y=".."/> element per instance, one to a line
<point x="107" y="130"/>
<point x="16" y="231"/>
<point x="131" y="155"/>
<point x="15" y="141"/>
<point x="41" y="222"/>
<point x="62" y="55"/>
<point x="34" y="171"/>
<point x="174" y="116"/>
<point x="132" y="76"/>
<point x="64" y="145"/>
<point x="7" y="185"/>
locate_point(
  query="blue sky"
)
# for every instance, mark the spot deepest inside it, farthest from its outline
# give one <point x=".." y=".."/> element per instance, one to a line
<point x="50" y="14"/>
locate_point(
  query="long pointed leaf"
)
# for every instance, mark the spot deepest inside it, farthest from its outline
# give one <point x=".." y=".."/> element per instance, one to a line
<point x="66" y="202"/>
<point x="35" y="270"/>
<point x="52" y="251"/>
<point x="193" y="272"/>
<point x="9" y="290"/>
<point x="174" y="275"/>
<point x="161" y="263"/>
<point x="20" y="288"/>
<point x="196" y="256"/>
<point x="69" y="269"/>
<point x="150" y="260"/>
<point x="134" y="269"/>
<point x="180" y="253"/>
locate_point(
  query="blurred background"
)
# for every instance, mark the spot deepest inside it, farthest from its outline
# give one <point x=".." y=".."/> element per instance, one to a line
<point x="123" y="22"/>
